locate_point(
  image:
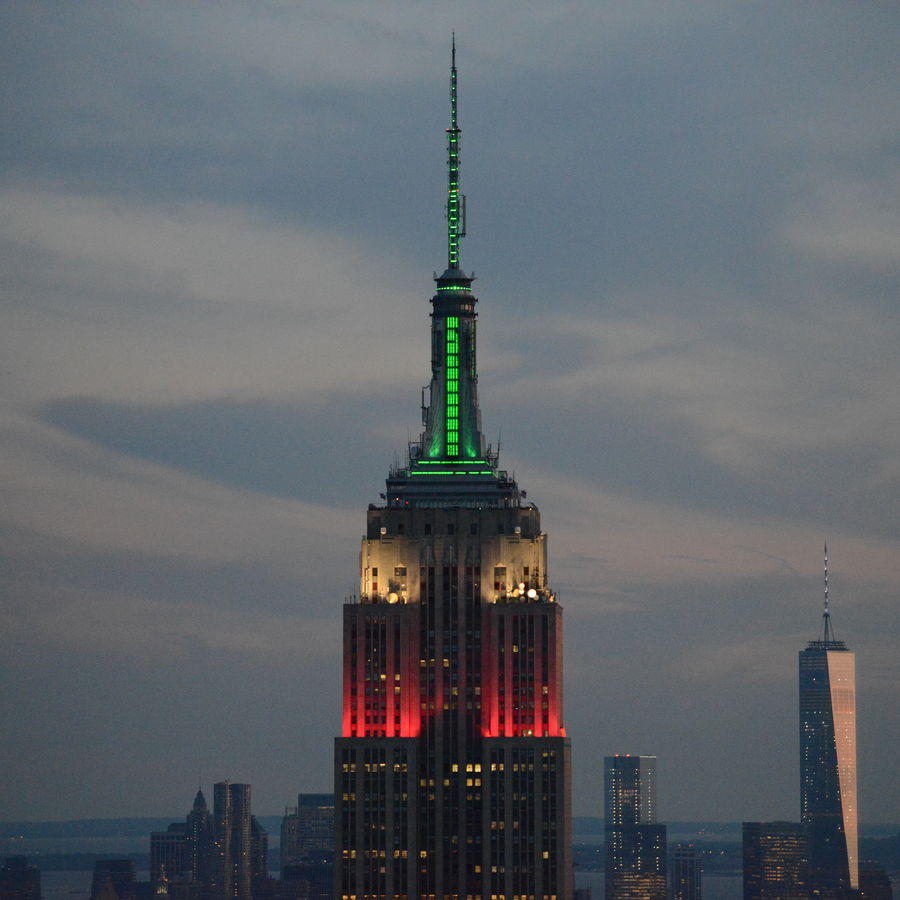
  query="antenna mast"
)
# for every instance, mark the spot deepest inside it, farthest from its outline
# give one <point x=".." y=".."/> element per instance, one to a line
<point x="456" y="202"/>
<point x="827" y="633"/>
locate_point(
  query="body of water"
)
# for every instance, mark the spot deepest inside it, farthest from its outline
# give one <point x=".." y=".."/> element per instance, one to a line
<point x="65" y="885"/>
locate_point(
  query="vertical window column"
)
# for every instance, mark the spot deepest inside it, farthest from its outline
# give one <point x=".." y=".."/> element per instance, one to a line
<point x="451" y="366"/>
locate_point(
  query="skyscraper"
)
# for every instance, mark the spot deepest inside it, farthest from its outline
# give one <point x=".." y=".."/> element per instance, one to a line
<point x="199" y="841"/>
<point x="452" y="771"/>
<point x="168" y="853"/>
<point x="874" y="882"/>
<point x="307" y="832"/>
<point x="775" y="863"/>
<point x="684" y="873"/>
<point x="240" y="843"/>
<point x="635" y="843"/>
<point x="828" y="760"/>
<point x="180" y="856"/>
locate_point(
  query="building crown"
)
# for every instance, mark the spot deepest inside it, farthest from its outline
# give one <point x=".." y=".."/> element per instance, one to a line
<point x="450" y="464"/>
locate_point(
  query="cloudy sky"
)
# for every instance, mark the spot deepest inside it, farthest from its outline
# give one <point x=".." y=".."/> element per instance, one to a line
<point x="220" y="226"/>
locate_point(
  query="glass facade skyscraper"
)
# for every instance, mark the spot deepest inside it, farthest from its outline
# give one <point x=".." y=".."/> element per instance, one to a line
<point x="240" y="845"/>
<point x="828" y="764"/>
<point x="828" y="761"/>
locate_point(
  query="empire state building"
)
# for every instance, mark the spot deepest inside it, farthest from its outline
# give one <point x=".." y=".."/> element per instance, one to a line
<point x="452" y="774"/>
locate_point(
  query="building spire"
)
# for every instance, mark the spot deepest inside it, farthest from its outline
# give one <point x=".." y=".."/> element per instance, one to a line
<point x="456" y="201"/>
<point x="451" y="465"/>
<point x="827" y="632"/>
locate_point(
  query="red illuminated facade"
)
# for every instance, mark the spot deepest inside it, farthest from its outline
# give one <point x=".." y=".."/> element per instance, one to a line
<point x="511" y="681"/>
<point x="452" y="774"/>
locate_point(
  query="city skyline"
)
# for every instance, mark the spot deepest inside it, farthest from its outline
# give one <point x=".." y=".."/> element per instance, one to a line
<point x="216" y="254"/>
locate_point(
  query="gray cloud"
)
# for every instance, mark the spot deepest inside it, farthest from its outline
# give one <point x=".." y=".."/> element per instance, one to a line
<point x="215" y="260"/>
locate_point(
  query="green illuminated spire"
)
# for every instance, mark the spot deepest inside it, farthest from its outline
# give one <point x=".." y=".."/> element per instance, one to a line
<point x="453" y="430"/>
<point x="450" y="464"/>
<point x="456" y="201"/>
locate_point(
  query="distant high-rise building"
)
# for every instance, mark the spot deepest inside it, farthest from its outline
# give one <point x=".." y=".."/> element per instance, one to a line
<point x="635" y="843"/>
<point x="874" y="883"/>
<point x="232" y="866"/>
<point x="259" y="856"/>
<point x="180" y="856"/>
<point x="220" y="857"/>
<point x="452" y="771"/>
<point x="775" y="865"/>
<point x="199" y="841"/>
<point x="828" y="761"/>
<point x="684" y="873"/>
<point x="18" y="880"/>
<point x="307" y="832"/>
<point x="289" y="845"/>
<point x="168" y="853"/>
